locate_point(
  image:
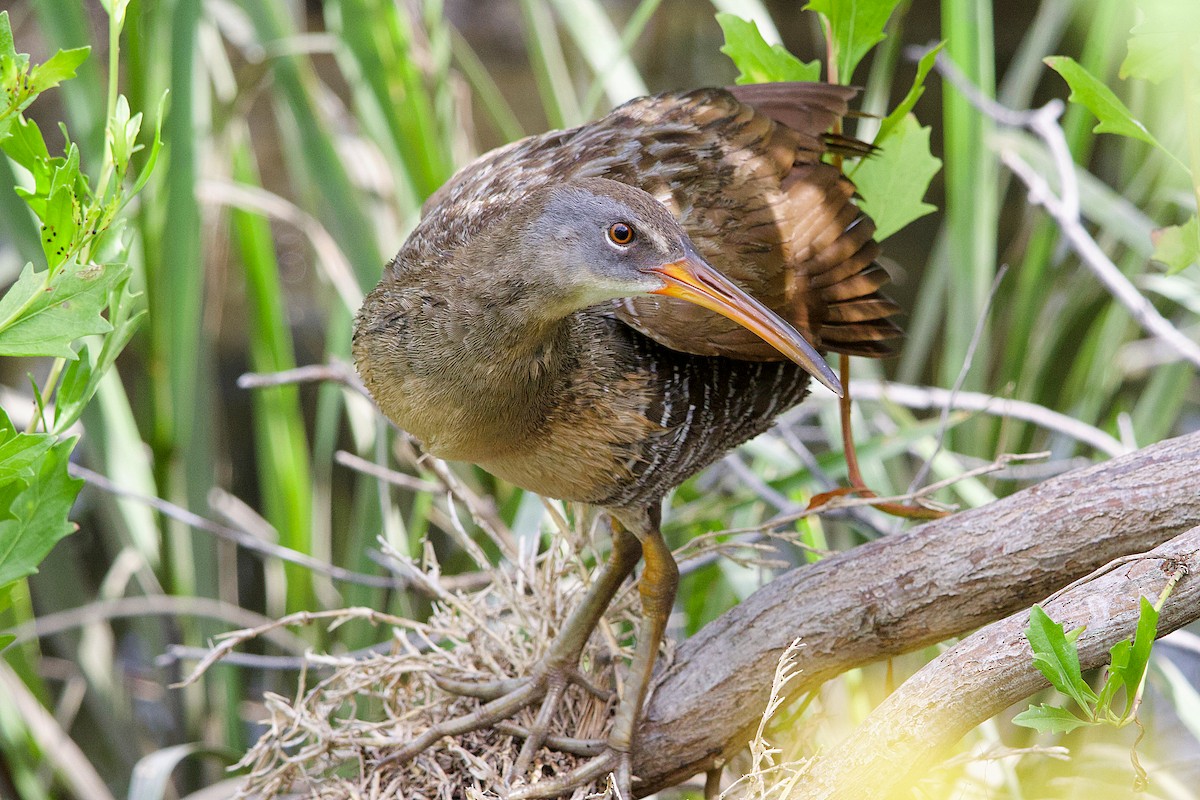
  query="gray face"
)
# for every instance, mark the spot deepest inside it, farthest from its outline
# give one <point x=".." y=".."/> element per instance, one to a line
<point x="604" y="236"/>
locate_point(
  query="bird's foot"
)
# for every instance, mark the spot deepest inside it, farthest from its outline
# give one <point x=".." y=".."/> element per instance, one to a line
<point x="616" y="764"/>
<point x="903" y="510"/>
<point x="502" y="700"/>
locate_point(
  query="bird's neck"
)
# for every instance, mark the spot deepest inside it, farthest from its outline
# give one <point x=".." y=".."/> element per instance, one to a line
<point x="470" y="371"/>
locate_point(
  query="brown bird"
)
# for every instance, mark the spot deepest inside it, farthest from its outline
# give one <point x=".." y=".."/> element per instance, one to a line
<point x="597" y="314"/>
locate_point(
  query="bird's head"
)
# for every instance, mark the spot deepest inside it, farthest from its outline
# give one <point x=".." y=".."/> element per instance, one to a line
<point x="599" y="240"/>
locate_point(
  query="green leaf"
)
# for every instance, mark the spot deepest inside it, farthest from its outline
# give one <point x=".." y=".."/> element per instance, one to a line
<point x="1118" y="665"/>
<point x="1143" y="642"/>
<point x="1056" y="657"/>
<point x="26" y="147"/>
<point x="59" y="67"/>
<point x="1088" y="91"/>
<point x="758" y="61"/>
<point x="8" y="47"/>
<point x="19" y="452"/>
<point x="893" y="180"/>
<point x="1177" y="246"/>
<point x="43" y="319"/>
<point x="36" y="516"/>
<point x="19" y="84"/>
<point x="1166" y="38"/>
<point x="81" y="378"/>
<point x="13" y="66"/>
<point x="155" y="147"/>
<point x="924" y="65"/>
<point x="59" y="226"/>
<point x="1049" y="719"/>
<point x="855" y="26"/>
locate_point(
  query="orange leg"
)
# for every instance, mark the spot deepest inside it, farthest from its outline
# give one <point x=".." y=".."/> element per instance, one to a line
<point x="857" y="485"/>
<point x="657" y="586"/>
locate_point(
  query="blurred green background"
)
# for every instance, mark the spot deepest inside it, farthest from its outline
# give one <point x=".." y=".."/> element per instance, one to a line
<point x="300" y="141"/>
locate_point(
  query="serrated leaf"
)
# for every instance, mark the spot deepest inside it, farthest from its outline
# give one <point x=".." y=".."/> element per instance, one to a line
<point x="924" y="65"/>
<point x="758" y="61"/>
<point x="1057" y="658"/>
<point x="1163" y="41"/>
<point x="13" y="65"/>
<point x="1049" y="719"/>
<point x="1088" y="91"/>
<point x="44" y="319"/>
<point x="59" y="67"/>
<point x="893" y="180"/>
<point x="1177" y="246"/>
<point x="855" y="26"/>
<point x="36" y="517"/>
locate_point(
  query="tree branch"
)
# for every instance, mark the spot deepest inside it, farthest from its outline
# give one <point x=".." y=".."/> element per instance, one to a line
<point x="992" y="669"/>
<point x="907" y="591"/>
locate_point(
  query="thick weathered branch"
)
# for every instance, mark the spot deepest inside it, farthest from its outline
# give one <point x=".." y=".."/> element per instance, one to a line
<point x="992" y="669"/>
<point x="907" y="591"/>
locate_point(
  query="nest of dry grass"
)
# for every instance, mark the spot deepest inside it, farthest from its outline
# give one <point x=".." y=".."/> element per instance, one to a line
<point x="333" y="738"/>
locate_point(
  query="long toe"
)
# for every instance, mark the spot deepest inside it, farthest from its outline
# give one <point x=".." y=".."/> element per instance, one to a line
<point x="487" y="715"/>
<point x="586" y="773"/>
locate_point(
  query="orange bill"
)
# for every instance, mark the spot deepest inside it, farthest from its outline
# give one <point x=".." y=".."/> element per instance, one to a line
<point x="692" y="279"/>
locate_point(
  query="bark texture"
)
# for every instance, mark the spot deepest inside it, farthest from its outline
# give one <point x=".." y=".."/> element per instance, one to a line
<point x="904" y="592"/>
<point x="992" y="669"/>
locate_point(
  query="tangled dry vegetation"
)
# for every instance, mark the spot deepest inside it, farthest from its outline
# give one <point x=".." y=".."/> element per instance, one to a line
<point x="333" y="738"/>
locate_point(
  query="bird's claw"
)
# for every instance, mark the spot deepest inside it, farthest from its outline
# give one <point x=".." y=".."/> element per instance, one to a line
<point x="613" y="762"/>
<point x="505" y="698"/>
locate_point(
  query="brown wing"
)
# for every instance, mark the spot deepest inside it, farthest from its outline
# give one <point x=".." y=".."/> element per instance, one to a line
<point x="747" y="182"/>
<point x="741" y="169"/>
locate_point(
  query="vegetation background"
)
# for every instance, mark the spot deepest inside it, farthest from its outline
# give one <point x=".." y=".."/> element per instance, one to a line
<point x="299" y="143"/>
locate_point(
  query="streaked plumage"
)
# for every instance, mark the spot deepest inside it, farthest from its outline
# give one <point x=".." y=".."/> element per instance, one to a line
<point x="510" y="333"/>
<point x="633" y="417"/>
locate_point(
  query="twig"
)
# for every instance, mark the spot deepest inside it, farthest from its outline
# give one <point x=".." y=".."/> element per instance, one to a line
<point x="960" y="379"/>
<point x="1064" y="207"/>
<point x="368" y="467"/>
<point x="144" y="606"/>
<point x="921" y="397"/>
<point x="333" y="372"/>
<point x="256" y="199"/>
<point x="179" y="652"/>
<point x="843" y="502"/>
<point x="241" y="538"/>
<point x="480" y="510"/>
<point x="232" y="639"/>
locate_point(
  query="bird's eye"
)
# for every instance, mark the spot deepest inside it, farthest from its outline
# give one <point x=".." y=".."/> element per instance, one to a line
<point x="621" y="234"/>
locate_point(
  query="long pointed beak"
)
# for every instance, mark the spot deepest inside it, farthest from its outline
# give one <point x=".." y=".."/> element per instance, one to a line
<point x="692" y="279"/>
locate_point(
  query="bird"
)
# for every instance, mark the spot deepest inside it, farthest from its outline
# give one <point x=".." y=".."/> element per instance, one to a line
<point x="596" y="314"/>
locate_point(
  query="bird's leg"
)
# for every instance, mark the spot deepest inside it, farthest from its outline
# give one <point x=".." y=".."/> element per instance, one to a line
<point x="853" y="475"/>
<point x="657" y="586"/>
<point x="550" y="676"/>
<point x="660" y="579"/>
<point x="559" y="664"/>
